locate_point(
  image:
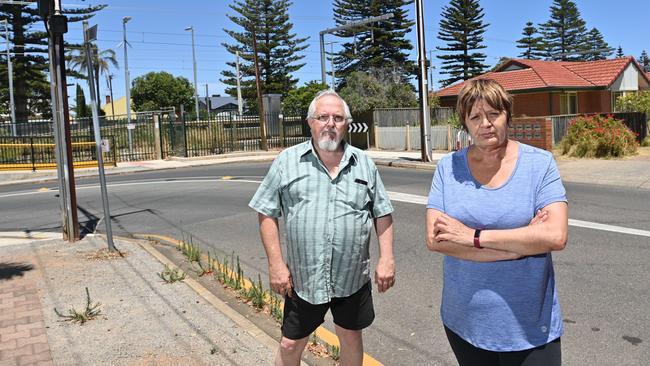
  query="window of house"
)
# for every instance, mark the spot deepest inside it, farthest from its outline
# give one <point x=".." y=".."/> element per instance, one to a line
<point x="615" y="96"/>
<point x="569" y="103"/>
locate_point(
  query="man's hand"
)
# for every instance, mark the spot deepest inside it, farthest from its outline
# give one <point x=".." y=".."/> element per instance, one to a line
<point x="280" y="279"/>
<point x="385" y="273"/>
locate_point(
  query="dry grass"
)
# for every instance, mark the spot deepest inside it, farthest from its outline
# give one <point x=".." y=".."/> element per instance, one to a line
<point x="105" y="254"/>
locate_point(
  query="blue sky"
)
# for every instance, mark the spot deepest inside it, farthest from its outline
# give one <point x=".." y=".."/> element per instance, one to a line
<point x="159" y="42"/>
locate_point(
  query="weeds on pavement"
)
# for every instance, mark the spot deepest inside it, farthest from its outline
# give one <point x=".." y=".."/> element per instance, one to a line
<point x="171" y="275"/>
<point x="90" y="312"/>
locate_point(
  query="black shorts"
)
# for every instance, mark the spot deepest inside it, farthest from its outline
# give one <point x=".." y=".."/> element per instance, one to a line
<point x="549" y="354"/>
<point x="354" y="312"/>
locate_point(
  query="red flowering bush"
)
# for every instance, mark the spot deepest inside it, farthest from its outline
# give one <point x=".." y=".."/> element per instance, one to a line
<point x="598" y="137"/>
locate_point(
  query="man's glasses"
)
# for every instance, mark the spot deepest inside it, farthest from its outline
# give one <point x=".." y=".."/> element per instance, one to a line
<point x="324" y="118"/>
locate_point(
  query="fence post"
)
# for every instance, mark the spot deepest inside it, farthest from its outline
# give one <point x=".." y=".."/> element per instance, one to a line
<point x="31" y="144"/>
<point x="449" y="141"/>
<point x="156" y="134"/>
<point x="375" y="131"/>
<point x="408" y="137"/>
<point x="281" y="122"/>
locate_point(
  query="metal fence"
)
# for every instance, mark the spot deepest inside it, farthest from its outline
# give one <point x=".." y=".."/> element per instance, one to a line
<point x="635" y="121"/>
<point x="398" y="117"/>
<point x="33" y="153"/>
<point x="142" y="139"/>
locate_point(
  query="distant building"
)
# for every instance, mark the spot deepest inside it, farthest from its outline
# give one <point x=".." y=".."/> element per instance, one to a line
<point x="219" y="104"/>
<point x="119" y="106"/>
<point x="542" y="88"/>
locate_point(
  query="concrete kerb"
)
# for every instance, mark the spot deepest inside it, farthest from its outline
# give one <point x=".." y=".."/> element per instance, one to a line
<point x="325" y="336"/>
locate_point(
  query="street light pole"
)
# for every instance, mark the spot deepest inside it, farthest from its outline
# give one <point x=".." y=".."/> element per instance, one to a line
<point x="240" y="102"/>
<point x="425" y="118"/>
<point x="110" y="88"/>
<point x="127" y="83"/>
<point x="196" y="85"/>
<point x="341" y="27"/>
<point x="10" y="74"/>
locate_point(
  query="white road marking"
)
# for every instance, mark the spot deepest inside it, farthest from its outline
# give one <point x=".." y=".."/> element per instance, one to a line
<point x="395" y="196"/>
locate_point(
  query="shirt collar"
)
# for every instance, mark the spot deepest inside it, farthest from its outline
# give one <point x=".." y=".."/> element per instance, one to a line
<point x="348" y="153"/>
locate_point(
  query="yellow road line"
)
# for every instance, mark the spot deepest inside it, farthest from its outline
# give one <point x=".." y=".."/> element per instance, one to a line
<point x="226" y="177"/>
<point x="321" y="332"/>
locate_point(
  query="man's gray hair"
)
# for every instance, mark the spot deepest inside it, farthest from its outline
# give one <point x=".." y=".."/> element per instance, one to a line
<point x="311" y="113"/>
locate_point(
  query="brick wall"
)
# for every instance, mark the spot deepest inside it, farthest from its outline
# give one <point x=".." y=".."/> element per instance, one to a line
<point x="534" y="131"/>
<point x="597" y="101"/>
<point x="530" y="105"/>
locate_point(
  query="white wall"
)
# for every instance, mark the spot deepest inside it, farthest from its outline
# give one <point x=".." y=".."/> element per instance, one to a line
<point x="628" y="80"/>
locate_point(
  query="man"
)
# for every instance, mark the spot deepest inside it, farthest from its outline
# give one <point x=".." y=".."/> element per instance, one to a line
<point x="329" y="193"/>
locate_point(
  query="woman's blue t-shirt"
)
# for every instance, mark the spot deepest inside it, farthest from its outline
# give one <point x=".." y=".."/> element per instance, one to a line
<point x="507" y="305"/>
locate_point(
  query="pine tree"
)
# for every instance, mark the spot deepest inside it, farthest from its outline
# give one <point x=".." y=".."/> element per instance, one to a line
<point x="81" y="108"/>
<point x="277" y="48"/>
<point x="30" y="62"/>
<point x="644" y="61"/>
<point x="619" y="52"/>
<point x="598" y="48"/>
<point x="532" y="44"/>
<point x="565" y="32"/>
<point x="462" y="28"/>
<point x="381" y="45"/>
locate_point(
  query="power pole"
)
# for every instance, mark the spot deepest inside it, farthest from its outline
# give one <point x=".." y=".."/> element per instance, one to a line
<point x="90" y="34"/>
<point x="207" y="100"/>
<point x="240" y="102"/>
<point x="196" y="85"/>
<point x="260" y="103"/>
<point x="341" y="27"/>
<point x="10" y="74"/>
<point x="127" y="84"/>
<point x="50" y="10"/>
<point x="110" y="88"/>
<point x="423" y="89"/>
<point x="431" y="67"/>
<point x="332" y="63"/>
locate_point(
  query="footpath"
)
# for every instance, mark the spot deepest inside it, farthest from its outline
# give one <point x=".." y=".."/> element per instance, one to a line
<point x="142" y="319"/>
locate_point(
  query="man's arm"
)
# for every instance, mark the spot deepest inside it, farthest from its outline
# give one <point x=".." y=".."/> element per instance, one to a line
<point x="461" y="251"/>
<point x="385" y="271"/>
<point x="279" y="275"/>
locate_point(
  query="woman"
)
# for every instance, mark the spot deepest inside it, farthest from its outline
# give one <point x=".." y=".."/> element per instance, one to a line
<point x="499" y="301"/>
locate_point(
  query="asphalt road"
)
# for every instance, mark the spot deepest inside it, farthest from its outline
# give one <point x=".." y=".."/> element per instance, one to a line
<point x="602" y="276"/>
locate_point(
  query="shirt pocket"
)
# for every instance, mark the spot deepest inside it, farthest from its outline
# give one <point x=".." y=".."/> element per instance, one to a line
<point x="358" y="197"/>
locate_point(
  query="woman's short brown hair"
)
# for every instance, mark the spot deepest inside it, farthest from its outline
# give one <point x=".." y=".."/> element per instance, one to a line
<point x="486" y="89"/>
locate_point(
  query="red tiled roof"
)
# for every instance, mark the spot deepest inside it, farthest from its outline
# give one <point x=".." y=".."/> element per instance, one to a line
<point x="538" y="74"/>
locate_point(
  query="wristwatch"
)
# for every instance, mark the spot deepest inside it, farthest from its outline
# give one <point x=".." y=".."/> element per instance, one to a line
<point x="477" y="239"/>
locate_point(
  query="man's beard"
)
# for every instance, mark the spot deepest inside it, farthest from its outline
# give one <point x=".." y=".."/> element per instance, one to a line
<point x="325" y="142"/>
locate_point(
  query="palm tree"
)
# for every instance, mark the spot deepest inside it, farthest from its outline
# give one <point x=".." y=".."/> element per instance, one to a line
<point x="102" y="62"/>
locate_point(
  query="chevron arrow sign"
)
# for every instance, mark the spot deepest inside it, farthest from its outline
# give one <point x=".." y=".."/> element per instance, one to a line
<point x="357" y="127"/>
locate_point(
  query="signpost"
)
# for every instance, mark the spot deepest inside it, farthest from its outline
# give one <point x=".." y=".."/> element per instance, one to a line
<point x="360" y="127"/>
<point x="90" y="34"/>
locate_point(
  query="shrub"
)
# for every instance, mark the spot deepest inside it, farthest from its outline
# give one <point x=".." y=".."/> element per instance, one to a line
<point x="598" y="136"/>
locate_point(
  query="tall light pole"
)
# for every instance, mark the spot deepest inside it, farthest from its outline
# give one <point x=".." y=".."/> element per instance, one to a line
<point x="425" y="118"/>
<point x="341" y="27"/>
<point x="127" y="83"/>
<point x="110" y="89"/>
<point x="196" y="85"/>
<point x="240" y="102"/>
<point x="10" y="74"/>
<point x="332" y="62"/>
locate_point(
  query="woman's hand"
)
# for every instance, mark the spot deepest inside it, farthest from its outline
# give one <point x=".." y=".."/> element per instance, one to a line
<point x="446" y="228"/>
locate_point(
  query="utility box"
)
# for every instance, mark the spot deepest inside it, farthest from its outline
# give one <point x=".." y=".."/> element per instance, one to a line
<point x="272" y="105"/>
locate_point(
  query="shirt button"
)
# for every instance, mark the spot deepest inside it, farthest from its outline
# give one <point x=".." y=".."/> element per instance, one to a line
<point x="543" y="328"/>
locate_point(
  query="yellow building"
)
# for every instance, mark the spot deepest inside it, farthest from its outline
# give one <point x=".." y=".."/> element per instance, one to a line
<point x="118" y="105"/>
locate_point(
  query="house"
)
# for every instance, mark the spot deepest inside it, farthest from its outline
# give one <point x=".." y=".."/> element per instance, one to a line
<point x="543" y="88"/>
<point x="218" y="103"/>
<point x="119" y="106"/>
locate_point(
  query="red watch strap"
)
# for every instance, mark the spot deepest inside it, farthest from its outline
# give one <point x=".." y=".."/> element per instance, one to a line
<point x="477" y="239"/>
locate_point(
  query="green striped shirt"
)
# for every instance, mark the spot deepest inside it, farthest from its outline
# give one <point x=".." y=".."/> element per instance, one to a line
<point x="328" y="221"/>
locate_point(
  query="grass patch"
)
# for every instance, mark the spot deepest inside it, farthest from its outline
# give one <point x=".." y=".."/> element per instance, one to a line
<point x="91" y="311"/>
